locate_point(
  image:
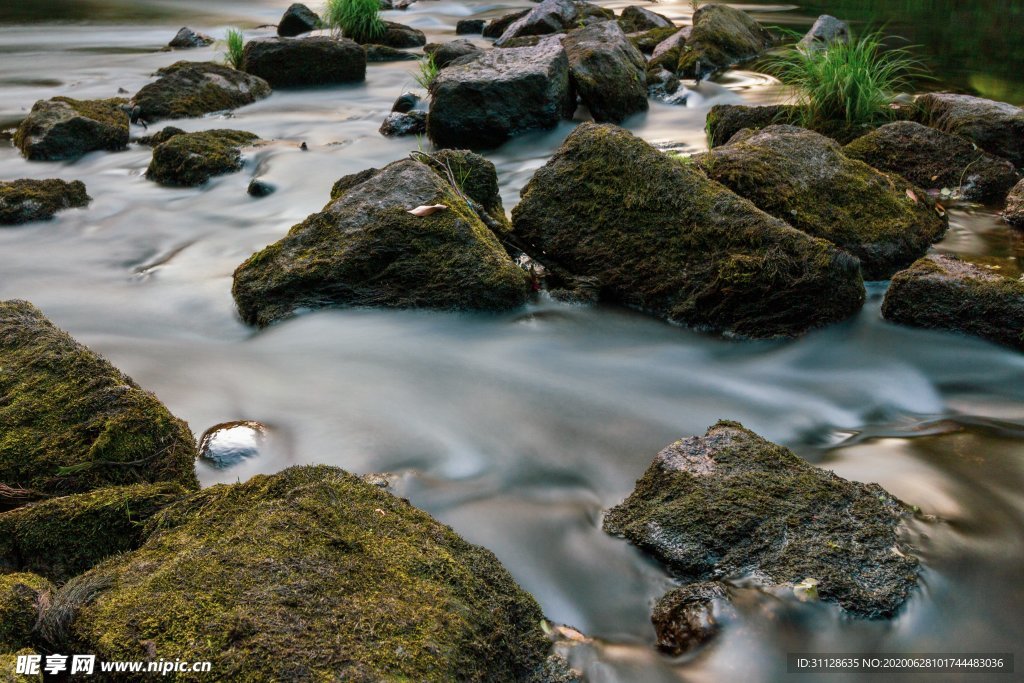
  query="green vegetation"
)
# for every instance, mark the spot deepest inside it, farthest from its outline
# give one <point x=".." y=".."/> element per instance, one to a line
<point x="190" y="159"/>
<point x="19" y="608"/>
<point x="427" y="73"/>
<point x="235" y="43"/>
<point x="356" y="19"/>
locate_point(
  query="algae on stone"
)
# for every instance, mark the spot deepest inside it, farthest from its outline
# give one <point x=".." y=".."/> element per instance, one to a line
<point x="189" y="159"/>
<point x="186" y="89"/>
<point x="23" y="201"/>
<point x="65" y="128"/>
<point x="722" y="36"/>
<point x="19" y="609"/>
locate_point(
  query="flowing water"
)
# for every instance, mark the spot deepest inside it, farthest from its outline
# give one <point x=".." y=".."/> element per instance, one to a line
<point x="519" y="429"/>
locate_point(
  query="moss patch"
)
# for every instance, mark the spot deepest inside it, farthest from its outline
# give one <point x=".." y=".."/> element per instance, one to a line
<point x="648" y="40"/>
<point x="19" y="609"/>
<point x="187" y="89"/>
<point x="8" y="666"/>
<point x="23" y="201"/>
<point x="189" y="159"/>
<point x="65" y="128"/>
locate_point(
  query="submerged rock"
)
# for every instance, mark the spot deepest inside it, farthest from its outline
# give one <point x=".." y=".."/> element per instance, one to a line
<point x="187" y="89"/>
<point x="63" y="128"/>
<point x="996" y="127"/>
<point x="71" y="422"/>
<point x="826" y="30"/>
<point x="295" y="62"/>
<point x="404" y="123"/>
<point x="260" y="188"/>
<point x="805" y="179"/>
<point x="663" y="238"/>
<point x="297" y="19"/>
<point x="945" y="293"/>
<point x="636" y="18"/>
<point x="228" y="574"/>
<point x="190" y="159"/>
<point x="228" y="444"/>
<point x="446" y="53"/>
<point x="480" y="101"/>
<point x="722" y="36"/>
<point x="470" y="26"/>
<point x="383" y="53"/>
<point x="24" y="201"/>
<point x="725" y="120"/>
<point x="21" y="599"/>
<point x="1014" y="212"/>
<point x="607" y="71"/>
<point x="732" y="503"/>
<point x="366" y="249"/>
<point x="187" y="38"/>
<point x="684" y="618"/>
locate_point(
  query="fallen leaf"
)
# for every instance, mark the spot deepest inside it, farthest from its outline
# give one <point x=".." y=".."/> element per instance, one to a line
<point x="939" y="209"/>
<point x="912" y="196"/>
<point x="422" y="211"/>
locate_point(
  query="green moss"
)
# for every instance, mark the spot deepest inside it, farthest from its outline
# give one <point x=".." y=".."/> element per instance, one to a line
<point x="473" y="175"/>
<point x="65" y="128"/>
<point x="187" y="89"/>
<point x="19" y="609"/>
<point x="22" y="201"/>
<point x="310" y="574"/>
<point x="8" y="666"/>
<point x="71" y="422"/>
<point x="189" y="159"/>
<point x="648" y="40"/>
<point x="110" y="111"/>
<point x="721" y="37"/>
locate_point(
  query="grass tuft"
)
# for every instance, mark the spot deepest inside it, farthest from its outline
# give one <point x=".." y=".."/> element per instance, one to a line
<point x="427" y="73"/>
<point x="235" y="44"/>
<point x="356" y="19"/>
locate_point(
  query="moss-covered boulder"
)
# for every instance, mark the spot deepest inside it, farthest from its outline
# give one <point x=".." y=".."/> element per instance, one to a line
<point x="725" y="120"/>
<point x="647" y="41"/>
<point x="945" y="293"/>
<point x="24" y="201"/>
<point x="366" y="248"/>
<point x="684" y="618"/>
<point x="731" y="503"/>
<point x="659" y="236"/>
<point x="722" y="36"/>
<point x="933" y="160"/>
<point x="71" y="422"/>
<point x="298" y="62"/>
<point x="309" y="574"/>
<point x="190" y="159"/>
<point x="475" y="177"/>
<point x="607" y="71"/>
<point x="805" y="179"/>
<point x="1014" y="212"/>
<point x="63" y="128"/>
<point x="61" y="537"/>
<point x="20" y="603"/>
<point x="9" y="665"/>
<point x="996" y="127"/>
<point x="637" y="18"/>
<point x="187" y="89"/>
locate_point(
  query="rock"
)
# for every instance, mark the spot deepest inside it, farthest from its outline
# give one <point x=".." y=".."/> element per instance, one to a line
<point x="722" y="36"/>
<point x="732" y="503"/>
<point x="549" y="16"/>
<point x="664" y="86"/>
<point x="21" y="599"/>
<point x="445" y="53"/>
<point x="496" y="27"/>
<point x="297" y="19"/>
<point x="71" y="422"/>
<point x="476" y="177"/>
<point x="636" y="18"/>
<point x="409" y="123"/>
<point x="804" y="178"/>
<point x="945" y="293"/>
<point x="934" y="160"/>
<point x="61" y="537"/>
<point x="228" y="444"/>
<point x="228" y="575"/>
<point x="469" y="26"/>
<point x="297" y="62"/>
<point x="23" y="201"/>
<point x="647" y="41"/>
<point x="191" y="159"/>
<point x="187" y="38"/>
<point x="607" y="71"/>
<point x="400" y="35"/>
<point x="406" y="102"/>
<point x="63" y="128"/>
<point x="481" y="101"/>
<point x="725" y="120"/>
<point x="160" y="137"/>
<point x="826" y="30"/>
<point x="260" y="188"/>
<point x="684" y="618"/>
<point x="383" y="53"/>
<point x="664" y="239"/>
<point x="1014" y="213"/>
<point x="665" y="55"/>
<point x="366" y="249"/>
<point x="187" y="89"/>
<point x="996" y="127"/>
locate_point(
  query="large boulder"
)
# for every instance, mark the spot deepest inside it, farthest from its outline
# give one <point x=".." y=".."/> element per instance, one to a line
<point x="607" y="71"/>
<point x="725" y="120"/>
<point x="825" y="31"/>
<point x="309" y="574"/>
<point x="446" y="53"/>
<point x="186" y="38"/>
<point x="296" y="62"/>
<point x="731" y="503"/>
<point x="22" y="596"/>
<point x="190" y="159"/>
<point x="1014" y="212"/>
<point x="366" y="249"/>
<point x="805" y="179"/>
<point x="480" y="101"/>
<point x="71" y="422"/>
<point x="186" y="89"/>
<point x="23" y="201"/>
<point x="636" y="18"/>
<point x="722" y="36"/>
<point x="996" y="127"/>
<point x="296" y="20"/>
<point x="933" y="160"/>
<point x="945" y="293"/>
<point x="63" y="128"/>
<point x="659" y="236"/>
<point x="549" y="16"/>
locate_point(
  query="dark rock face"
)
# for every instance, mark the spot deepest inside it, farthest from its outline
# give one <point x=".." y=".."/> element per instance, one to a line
<point x="804" y="178"/>
<point x="722" y="36"/>
<point x="294" y="62"/>
<point x="191" y="159"/>
<point x="400" y="35"/>
<point x="260" y="188"/>
<point x="187" y="38"/>
<point x="550" y="16"/>
<point x="187" y="89"/>
<point x="446" y="53"/>
<point x="932" y="159"/>
<point x="945" y="293"/>
<point x="404" y="123"/>
<point x="662" y="238"/>
<point x="405" y="103"/>
<point x="496" y="27"/>
<point x="636" y="18"/>
<point x="732" y="503"/>
<point x="366" y="249"/>
<point x="826" y="30"/>
<point x="313" y="546"/>
<point x="297" y="19"/>
<point x="1014" y="213"/>
<point x="648" y="41"/>
<point x="684" y="618"/>
<point x="71" y="422"/>
<point x="470" y="26"/>
<point x="63" y="128"/>
<point x="481" y="101"/>
<point x="996" y="127"/>
<point x="23" y="201"/>
<point x="21" y="597"/>
<point x="607" y="71"/>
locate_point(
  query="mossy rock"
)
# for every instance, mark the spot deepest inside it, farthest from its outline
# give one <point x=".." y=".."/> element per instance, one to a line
<point x="731" y="503"/>
<point x="996" y="127"/>
<point x="607" y="71"/>
<point x="71" y="422"/>
<point x="9" y="664"/>
<point x="24" y="201"/>
<point x="20" y="602"/>
<point x="722" y="37"/>
<point x="659" y="236"/>
<point x="944" y="293"/>
<point x="302" y="62"/>
<point x="1014" y="211"/>
<point x="187" y="89"/>
<point x="684" y="618"/>
<point x="190" y="159"/>
<point x="725" y="120"/>
<point x="61" y="537"/>
<point x="805" y="179"/>
<point x="366" y="249"/>
<point x="648" y="40"/>
<point x="475" y="176"/>
<point x="934" y="160"/>
<point x="64" y="128"/>
<point x="637" y="18"/>
<point x="309" y="574"/>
